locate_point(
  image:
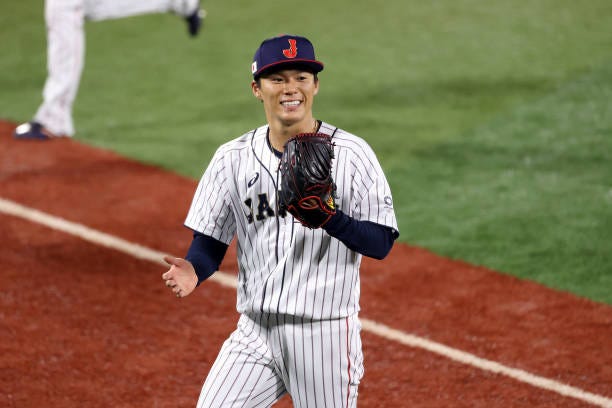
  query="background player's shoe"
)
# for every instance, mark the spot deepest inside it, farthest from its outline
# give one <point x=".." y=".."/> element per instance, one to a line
<point x="195" y="21"/>
<point x="32" y="131"/>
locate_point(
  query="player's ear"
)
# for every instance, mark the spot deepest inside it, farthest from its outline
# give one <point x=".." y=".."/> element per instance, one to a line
<point x="256" y="90"/>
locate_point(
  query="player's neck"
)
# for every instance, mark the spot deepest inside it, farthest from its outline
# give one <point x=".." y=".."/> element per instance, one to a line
<point x="280" y="133"/>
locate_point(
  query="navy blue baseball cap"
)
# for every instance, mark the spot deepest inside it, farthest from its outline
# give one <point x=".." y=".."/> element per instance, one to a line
<point x="285" y="51"/>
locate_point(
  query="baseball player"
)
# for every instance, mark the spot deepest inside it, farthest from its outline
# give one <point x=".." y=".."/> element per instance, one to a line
<point x="298" y="286"/>
<point x="66" y="53"/>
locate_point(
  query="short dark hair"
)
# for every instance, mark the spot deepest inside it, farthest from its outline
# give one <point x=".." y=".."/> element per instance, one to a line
<point x="273" y="71"/>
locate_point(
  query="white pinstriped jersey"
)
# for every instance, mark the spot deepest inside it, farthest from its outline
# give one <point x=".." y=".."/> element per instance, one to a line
<point x="286" y="268"/>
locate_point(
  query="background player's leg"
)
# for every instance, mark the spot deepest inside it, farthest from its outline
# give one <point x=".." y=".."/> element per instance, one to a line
<point x="243" y="374"/>
<point x="65" y="55"/>
<point x="324" y="362"/>
<point x="113" y="9"/>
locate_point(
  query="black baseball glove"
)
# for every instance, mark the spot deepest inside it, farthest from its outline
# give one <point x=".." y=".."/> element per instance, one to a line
<point x="307" y="188"/>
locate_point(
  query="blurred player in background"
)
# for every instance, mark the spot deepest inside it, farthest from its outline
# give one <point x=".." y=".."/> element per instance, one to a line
<point x="298" y="287"/>
<point x="66" y="53"/>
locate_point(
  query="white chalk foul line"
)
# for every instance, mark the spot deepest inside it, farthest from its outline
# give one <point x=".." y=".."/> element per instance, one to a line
<point x="97" y="237"/>
<point x="141" y="252"/>
<point x="484" y="364"/>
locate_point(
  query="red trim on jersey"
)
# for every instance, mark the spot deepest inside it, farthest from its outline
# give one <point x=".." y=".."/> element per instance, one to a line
<point x="348" y="358"/>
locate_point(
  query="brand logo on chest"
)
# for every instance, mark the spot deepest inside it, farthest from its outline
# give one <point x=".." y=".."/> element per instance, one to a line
<point x="253" y="180"/>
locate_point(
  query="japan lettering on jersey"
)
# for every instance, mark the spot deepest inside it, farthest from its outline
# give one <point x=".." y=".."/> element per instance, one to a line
<point x="284" y="267"/>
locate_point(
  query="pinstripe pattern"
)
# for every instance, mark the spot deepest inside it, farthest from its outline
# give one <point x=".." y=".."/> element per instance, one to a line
<point x="283" y="267"/>
<point x="319" y="362"/>
<point x="299" y="287"/>
<point x="244" y="373"/>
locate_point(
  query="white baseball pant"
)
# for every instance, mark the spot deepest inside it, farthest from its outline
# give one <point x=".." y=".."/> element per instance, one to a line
<point x="319" y="362"/>
<point x="66" y="49"/>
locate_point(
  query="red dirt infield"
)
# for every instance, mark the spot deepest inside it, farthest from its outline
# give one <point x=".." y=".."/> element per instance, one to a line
<point x="82" y="325"/>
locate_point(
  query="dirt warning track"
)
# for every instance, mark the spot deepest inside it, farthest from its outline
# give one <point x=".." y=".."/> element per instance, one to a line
<point x="82" y="324"/>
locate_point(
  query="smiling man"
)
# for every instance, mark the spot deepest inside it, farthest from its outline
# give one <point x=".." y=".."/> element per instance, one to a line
<point x="286" y="81"/>
<point x="298" y="285"/>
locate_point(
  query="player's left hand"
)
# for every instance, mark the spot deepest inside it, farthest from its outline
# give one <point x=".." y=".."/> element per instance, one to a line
<point x="181" y="277"/>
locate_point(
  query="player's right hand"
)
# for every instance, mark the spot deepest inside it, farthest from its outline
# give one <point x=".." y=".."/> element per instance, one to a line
<point x="181" y="277"/>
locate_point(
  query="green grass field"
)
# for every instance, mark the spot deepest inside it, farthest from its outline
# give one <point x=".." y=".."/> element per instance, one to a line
<point x="493" y="120"/>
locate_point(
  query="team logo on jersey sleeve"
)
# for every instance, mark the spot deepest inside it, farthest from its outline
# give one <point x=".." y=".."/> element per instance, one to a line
<point x="388" y="201"/>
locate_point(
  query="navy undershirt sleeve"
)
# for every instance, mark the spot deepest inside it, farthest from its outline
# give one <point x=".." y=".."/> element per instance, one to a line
<point x="366" y="237"/>
<point x="205" y="254"/>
